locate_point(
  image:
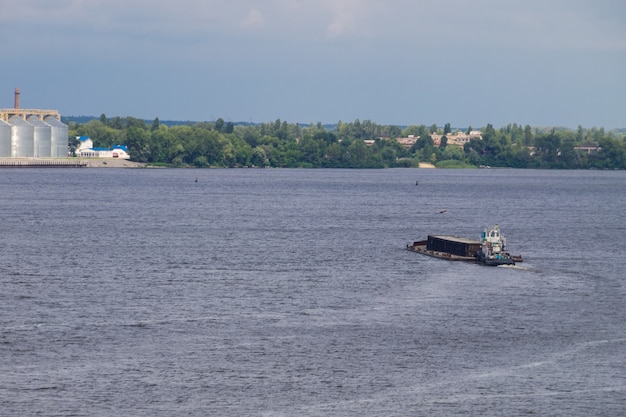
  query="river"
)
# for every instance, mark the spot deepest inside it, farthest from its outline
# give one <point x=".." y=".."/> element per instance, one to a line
<point x="280" y="292"/>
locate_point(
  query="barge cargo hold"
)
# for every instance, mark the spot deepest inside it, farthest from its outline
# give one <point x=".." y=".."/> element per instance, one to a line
<point x="447" y="247"/>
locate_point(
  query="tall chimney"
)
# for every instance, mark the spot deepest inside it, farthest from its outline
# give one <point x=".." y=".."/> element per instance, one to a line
<point x="17" y="98"/>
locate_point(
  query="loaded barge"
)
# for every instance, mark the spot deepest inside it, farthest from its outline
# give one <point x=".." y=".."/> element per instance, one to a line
<point x="489" y="250"/>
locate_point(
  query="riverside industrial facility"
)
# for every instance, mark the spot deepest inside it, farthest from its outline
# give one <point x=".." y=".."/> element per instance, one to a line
<point x="32" y="133"/>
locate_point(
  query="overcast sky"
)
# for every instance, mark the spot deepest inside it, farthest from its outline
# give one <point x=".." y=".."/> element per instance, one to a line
<point x="537" y="62"/>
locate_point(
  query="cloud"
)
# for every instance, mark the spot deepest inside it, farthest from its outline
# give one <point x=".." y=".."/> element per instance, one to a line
<point x="344" y="17"/>
<point x="405" y="23"/>
<point x="253" y="19"/>
<point x="374" y="52"/>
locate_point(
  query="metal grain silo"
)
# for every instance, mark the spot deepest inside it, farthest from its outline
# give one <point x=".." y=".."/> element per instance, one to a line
<point x="22" y="138"/>
<point x="5" y="139"/>
<point x="42" y="137"/>
<point x="60" y="132"/>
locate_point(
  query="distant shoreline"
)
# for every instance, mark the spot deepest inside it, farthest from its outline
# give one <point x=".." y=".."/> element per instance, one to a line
<point x="101" y="163"/>
<point x="85" y="162"/>
<point x="111" y="163"/>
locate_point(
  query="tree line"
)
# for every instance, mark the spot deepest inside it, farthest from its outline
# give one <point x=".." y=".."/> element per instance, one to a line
<point x="357" y="144"/>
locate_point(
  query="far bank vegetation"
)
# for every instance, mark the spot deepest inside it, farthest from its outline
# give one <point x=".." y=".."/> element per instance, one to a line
<point x="357" y="144"/>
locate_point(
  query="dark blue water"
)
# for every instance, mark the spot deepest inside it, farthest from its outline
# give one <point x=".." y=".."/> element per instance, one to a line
<point x="289" y="293"/>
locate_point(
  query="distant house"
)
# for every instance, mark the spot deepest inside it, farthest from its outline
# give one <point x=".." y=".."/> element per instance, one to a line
<point x="588" y="148"/>
<point x="456" y="138"/>
<point x="460" y="138"/>
<point x="408" y="141"/>
<point x="86" y="150"/>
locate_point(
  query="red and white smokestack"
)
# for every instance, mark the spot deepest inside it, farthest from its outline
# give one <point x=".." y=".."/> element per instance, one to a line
<point x="17" y="98"/>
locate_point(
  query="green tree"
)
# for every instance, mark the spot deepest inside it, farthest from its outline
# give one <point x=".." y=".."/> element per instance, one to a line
<point x="137" y="140"/>
<point x="134" y="122"/>
<point x="73" y="144"/>
<point x="117" y="123"/>
<point x="389" y="156"/>
<point x="424" y="140"/>
<point x="101" y="135"/>
<point x="394" y="131"/>
<point x="413" y="130"/>
<point x="547" y="148"/>
<point x="444" y="142"/>
<point x="163" y="147"/>
<point x="475" y="150"/>
<point x="243" y="152"/>
<point x="356" y="155"/>
<point x="568" y="156"/>
<point x="219" y="124"/>
<point x="528" y="135"/>
<point x="310" y="150"/>
<point x="612" y="154"/>
<point x="453" y="152"/>
<point x="259" y="157"/>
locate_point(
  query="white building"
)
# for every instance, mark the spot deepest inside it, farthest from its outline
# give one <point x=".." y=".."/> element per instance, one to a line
<point x="86" y="150"/>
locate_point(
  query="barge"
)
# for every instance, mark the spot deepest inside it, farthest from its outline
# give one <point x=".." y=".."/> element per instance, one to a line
<point x="489" y="250"/>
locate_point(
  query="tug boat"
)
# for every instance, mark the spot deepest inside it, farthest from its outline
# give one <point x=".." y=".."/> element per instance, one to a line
<point x="492" y="251"/>
<point x="489" y="250"/>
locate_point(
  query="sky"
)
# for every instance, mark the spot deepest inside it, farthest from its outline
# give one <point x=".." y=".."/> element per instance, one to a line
<point x="397" y="62"/>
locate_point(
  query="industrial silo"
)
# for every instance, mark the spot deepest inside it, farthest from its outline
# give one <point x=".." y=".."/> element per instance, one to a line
<point x="59" y="143"/>
<point x="5" y="139"/>
<point x="42" y="136"/>
<point x="22" y="138"/>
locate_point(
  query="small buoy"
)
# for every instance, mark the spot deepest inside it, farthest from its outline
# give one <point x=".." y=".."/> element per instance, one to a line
<point x="196" y="179"/>
<point x="442" y="211"/>
<point x="417" y="182"/>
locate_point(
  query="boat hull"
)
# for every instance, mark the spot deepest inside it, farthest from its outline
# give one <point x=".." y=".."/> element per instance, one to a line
<point x="504" y="259"/>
